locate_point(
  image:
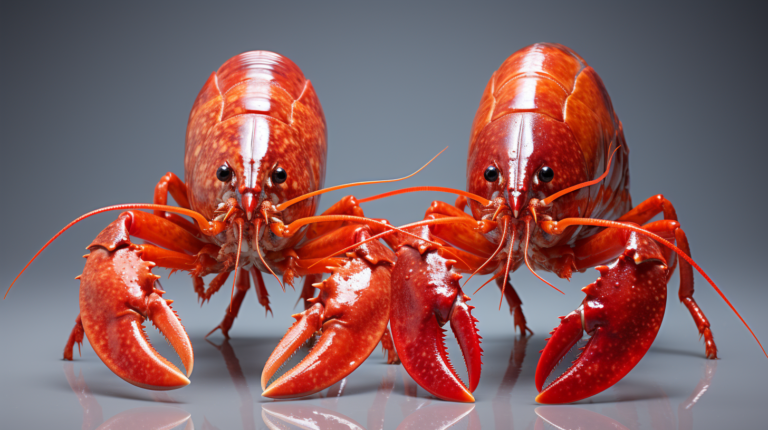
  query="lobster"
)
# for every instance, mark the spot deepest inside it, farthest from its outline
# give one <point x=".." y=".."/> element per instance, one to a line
<point x="254" y="167"/>
<point x="546" y="152"/>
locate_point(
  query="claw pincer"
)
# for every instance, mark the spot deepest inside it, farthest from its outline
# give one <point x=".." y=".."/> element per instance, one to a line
<point x="117" y="293"/>
<point x="425" y="296"/>
<point x="350" y="313"/>
<point x="622" y="313"/>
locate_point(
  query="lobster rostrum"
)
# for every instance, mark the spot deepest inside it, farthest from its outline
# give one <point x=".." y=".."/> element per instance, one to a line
<point x="546" y="152"/>
<point x="254" y="168"/>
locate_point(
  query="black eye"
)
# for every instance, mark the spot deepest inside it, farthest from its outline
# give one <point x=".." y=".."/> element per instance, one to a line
<point x="279" y="175"/>
<point x="491" y="174"/>
<point x="224" y="173"/>
<point x="546" y="174"/>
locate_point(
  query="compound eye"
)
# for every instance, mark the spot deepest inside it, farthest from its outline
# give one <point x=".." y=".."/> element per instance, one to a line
<point x="224" y="173"/>
<point x="491" y="174"/>
<point x="546" y="174"/>
<point x="279" y="175"/>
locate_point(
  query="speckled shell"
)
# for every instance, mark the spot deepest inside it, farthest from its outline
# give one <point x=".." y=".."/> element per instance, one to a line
<point x="546" y="107"/>
<point x="257" y="112"/>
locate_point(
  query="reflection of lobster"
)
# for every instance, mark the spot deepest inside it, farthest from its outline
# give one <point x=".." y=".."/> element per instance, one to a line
<point x="254" y="162"/>
<point x="540" y="160"/>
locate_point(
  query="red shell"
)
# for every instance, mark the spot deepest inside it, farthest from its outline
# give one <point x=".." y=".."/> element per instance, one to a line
<point x="257" y="112"/>
<point x="545" y="106"/>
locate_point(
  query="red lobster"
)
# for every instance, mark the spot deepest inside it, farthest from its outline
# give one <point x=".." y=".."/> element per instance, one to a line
<point x="541" y="160"/>
<point x="254" y="167"/>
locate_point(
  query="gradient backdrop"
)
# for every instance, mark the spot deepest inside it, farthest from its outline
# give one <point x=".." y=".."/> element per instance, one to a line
<point x="95" y="100"/>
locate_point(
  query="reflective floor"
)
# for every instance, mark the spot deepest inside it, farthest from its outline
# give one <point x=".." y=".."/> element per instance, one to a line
<point x="94" y="108"/>
<point x="225" y="394"/>
<point x="673" y="387"/>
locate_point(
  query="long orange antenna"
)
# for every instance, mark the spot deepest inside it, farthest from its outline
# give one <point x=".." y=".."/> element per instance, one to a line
<point x="557" y="227"/>
<point x="239" y="223"/>
<point x="258" y="251"/>
<point x="525" y="255"/>
<point x="446" y="220"/>
<point x="282" y="206"/>
<point x="475" y="197"/>
<point x="488" y="282"/>
<point x="502" y="242"/>
<point x="296" y="225"/>
<point x="506" y="275"/>
<point x="497" y="212"/>
<point x="561" y="193"/>
<point x="207" y="227"/>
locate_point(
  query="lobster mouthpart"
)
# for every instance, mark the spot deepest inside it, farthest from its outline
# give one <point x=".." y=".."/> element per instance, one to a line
<point x="622" y="312"/>
<point x="426" y="295"/>
<point x="351" y="313"/>
<point x="117" y="293"/>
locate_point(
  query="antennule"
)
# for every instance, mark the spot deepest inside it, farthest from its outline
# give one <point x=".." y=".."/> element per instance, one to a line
<point x="302" y="197"/>
<point x="561" y="193"/>
<point x="502" y="242"/>
<point x="475" y="197"/>
<point x="239" y="223"/>
<point x="207" y="227"/>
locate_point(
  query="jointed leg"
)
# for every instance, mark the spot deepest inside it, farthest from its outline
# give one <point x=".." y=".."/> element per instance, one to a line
<point x="350" y="329"/>
<point x="261" y="290"/>
<point x="329" y="243"/>
<point x="389" y="346"/>
<point x="153" y="229"/>
<point x="323" y="240"/>
<point x="173" y="185"/>
<point x="308" y="291"/>
<point x="515" y="306"/>
<point x="204" y="294"/>
<point x="644" y="212"/>
<point x="170" y="183"/>
<point x="119" y="292"/>
<point x="622" y="312"/>
<point x="685" y="294"/>
<point x="346" y="206"/>
<point x="241" y="288"/>
<point x="459" y="234"/>
<point x="76" y="337"/>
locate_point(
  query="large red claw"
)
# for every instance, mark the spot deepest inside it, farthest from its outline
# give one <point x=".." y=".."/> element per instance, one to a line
<point x="117" y="293"/>
<point x="425" y="296"/>
<point x="351" y="312"/>
<point x="622" y="312"/>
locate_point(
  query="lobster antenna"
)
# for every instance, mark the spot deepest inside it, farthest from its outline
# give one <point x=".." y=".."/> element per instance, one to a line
<point x="447" y="220"/>
<point x="239" y="223"/>
<point x="283" y="206"/>
<point x="258" y="251"/>
<point x="294" y="226"/>
<point x="475" y="197"/>
<point x="557" y="227"/>
<point x="207" y="227"/>
<point x="561" y="193"/>
<point x="495" y="276"/>
<point x="506" y="275"/>
<point x="498" y="248"/>
<point x="495" y="214"/>
<point x="525" y="255"/>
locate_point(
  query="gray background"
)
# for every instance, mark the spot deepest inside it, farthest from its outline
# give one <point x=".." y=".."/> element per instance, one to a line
<point x="95" y="100"/>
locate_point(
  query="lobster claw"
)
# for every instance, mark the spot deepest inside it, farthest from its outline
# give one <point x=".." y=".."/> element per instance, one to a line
<point x="117" y="293"/>
<point x="351" y="312"/>
<point x="426" y="295"/>
<point x="622" y="312"/>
